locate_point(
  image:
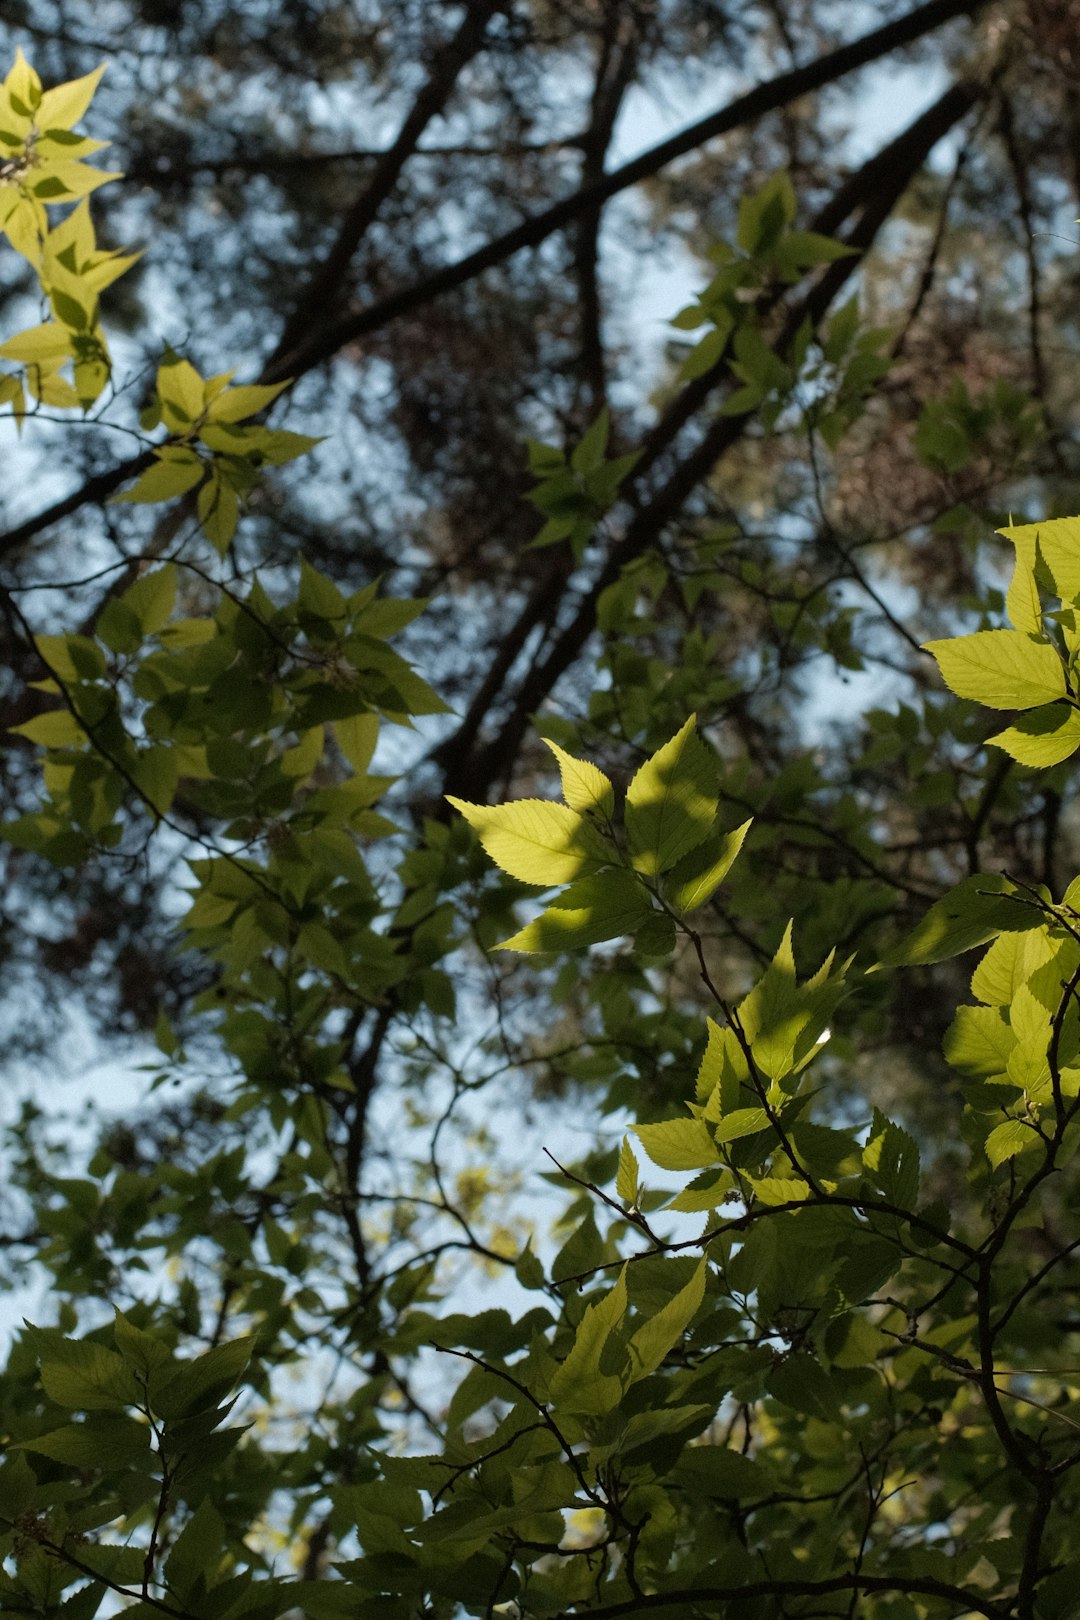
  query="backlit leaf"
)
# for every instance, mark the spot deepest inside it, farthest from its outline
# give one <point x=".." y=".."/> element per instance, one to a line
<point x="679" y="1144"/>
<point x="651" y="1343"/>
<point x="1003" y="669"/>
<point x="970" y="914"/>
<point x="1042" y="738"/>
<point x="1058" y="546"/>
<point x="534" y="840"/>
<point x="604" y="906"/>
<point x="1007" y="1140"/>
<point x="671" y="803"/>
<point x="578" y="1385"/>
<point x="695" y="878"/>
<point x="584" y="785"/>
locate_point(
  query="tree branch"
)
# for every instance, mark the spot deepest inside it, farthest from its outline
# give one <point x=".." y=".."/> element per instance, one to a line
<point x="745" y="109"/>
<point x="777" y="93"/>
<point x="313" y="306"/>
<point x="881" y="182"/>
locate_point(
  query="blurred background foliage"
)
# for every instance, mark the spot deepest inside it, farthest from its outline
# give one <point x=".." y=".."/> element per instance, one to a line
<point x="404" y="205"/>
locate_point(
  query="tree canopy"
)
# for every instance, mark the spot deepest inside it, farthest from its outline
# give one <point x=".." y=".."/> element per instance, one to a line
<point x="510" y="793"/>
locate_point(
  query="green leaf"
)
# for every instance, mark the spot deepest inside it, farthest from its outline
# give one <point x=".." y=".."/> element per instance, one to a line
<point x="534" y="840"/>
<point x="152" y="597"/>
<point x="1008" y="963"/>
<point x="763" y="214"/>
<point x="578" y="1385"/>
<point x="219" y="512"/>
<point x="718" y="1471"/>
<point x="45" y="345"/>
<point x="969" y="915"/>
<point x="979" y="1042"/>
<point x="605" y="906"/>
<point x="182" y="392"/>
<point x="529" y="1270"/>
<point x="88" y="1377"/>
<point x="783" y="1020"/>
<point x="237" y="404"/>
<point x="356" y="736"/>
<point x="723" y="1064"/>
<point x="164" y="481"/>
<point x="590" y="452"/>
<point x="651" y="1343"/>
<point x="193" y="1386"/>
<point x="142" y="1351"/>
<point x="280" y="445"/>
<point x="671" y="803"/>
<point x="679" y="1144"/>
<point x="893" y="1157"/>
<point x="300" y="761"/>
<point x="705" y="1192"/>
<point x="807" y="248"/>
<point x="584" y="785"/>
<point x="1022" y="599"/>
<point x="196" y="1554"/>
<point x="628" y="1178"/>
<point x="1042" y="738"/>
<point x="1007" y="1140"/>
<point x="115" y="1442"/>
<point x="1055" y="542"/>
<point x="800" y="1381"/>
<point x="18" y="1486"/>
<point x="1003" y="669"/>
<point x="742" y="1122"/>
<point x="777" y="1190"/>
<point x="64" y="105"/>
<point x="56" y="728"/>
<point x="695" y="878"/>
<point x="155" y="772"/>
<point x="118" y="627"/>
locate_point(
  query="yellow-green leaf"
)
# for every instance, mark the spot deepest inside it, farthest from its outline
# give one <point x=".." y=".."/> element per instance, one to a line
<point x="651" y="1343"/>
<point x="239" y="403"/>
<point x="679" y="1144"/>
<point x="584" y="785"/>
<point x="1007" y="1140"/>
<point x="219" y="513"/>
<point x="302" y="760"/>
<point x="65" y="179"/>
<point x="1022" y="600"/>
<point x="23" y="85"/>
<point x="44" y="345"/>
<point x="603" y="906"/>
<point x="970" y="914"/>
<point x="698" y="875"/>
<point x="979" y="1042"/>
<point x="1043" y="738"/>
<point x="1003" y="669"/>
<point x="628" y="1178"/>
<point x="182" y="393"/>
<point x="152" y="596"/>
<point x="357" y="736"/>
<point x="56" y="728"/>
<point x="63" y="105"/>
<point x="578" y="1385"/>
<point x="164" y="481"/>
<point x="534" y="840"/>
<point x="671" y="803"/>
<point x="1058" y="543"/>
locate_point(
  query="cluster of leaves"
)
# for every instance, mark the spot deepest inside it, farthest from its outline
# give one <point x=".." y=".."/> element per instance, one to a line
<point x="835" y="1388"/>
<point x="211" y="445"/>
<point x="671" y="833"/>
<point x="1032" y="668"/>
<point x="574" y="491"/>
